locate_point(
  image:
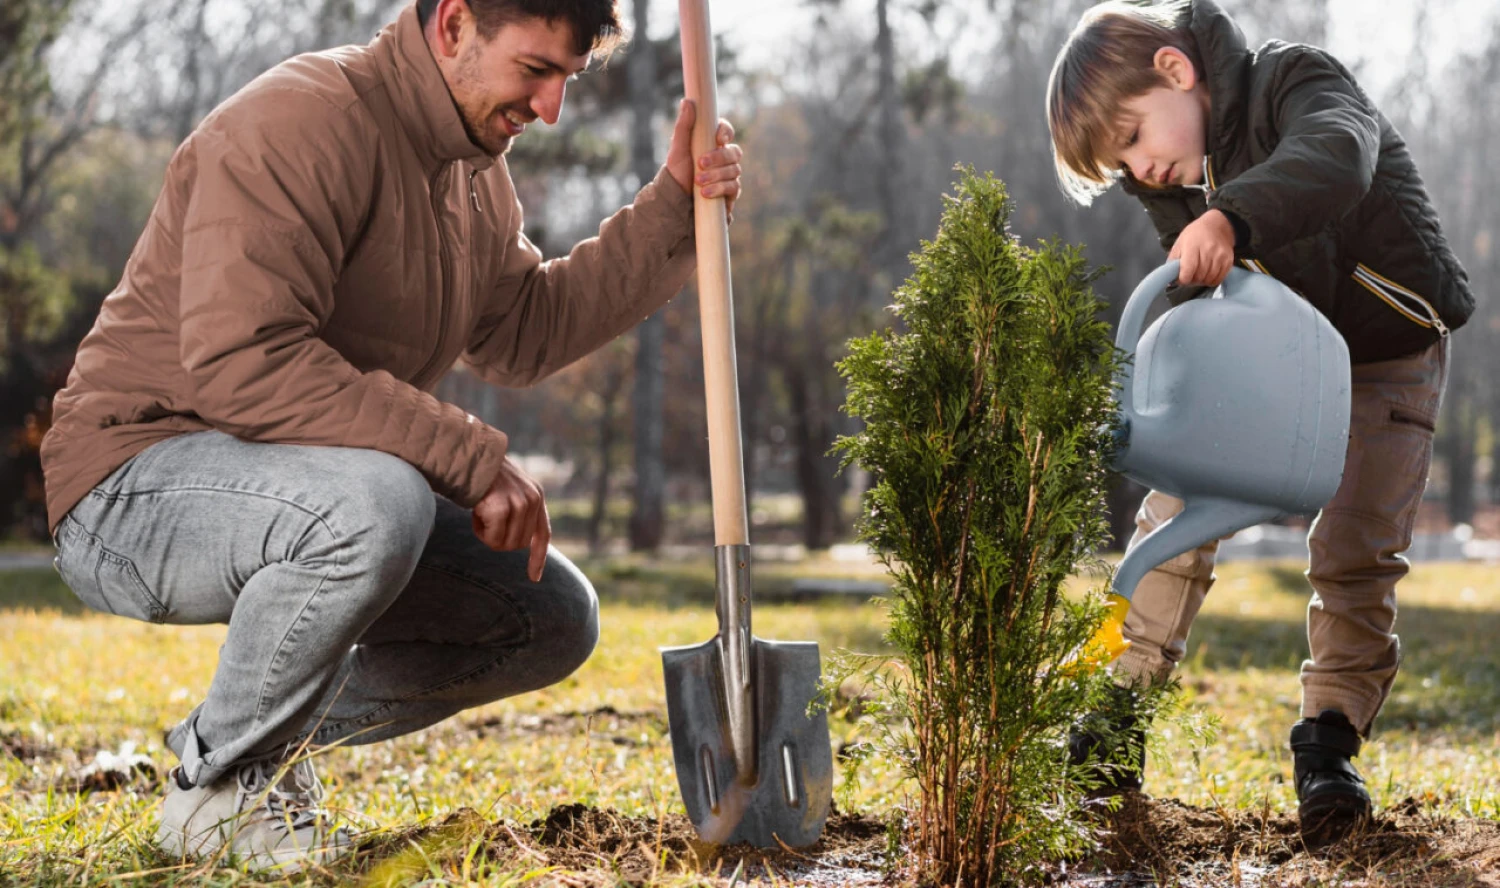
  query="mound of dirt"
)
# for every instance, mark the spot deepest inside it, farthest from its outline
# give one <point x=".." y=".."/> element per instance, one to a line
<point x="1169" y="842"/>
<point x="850" y="852"/>
<point x="605" y="847"/>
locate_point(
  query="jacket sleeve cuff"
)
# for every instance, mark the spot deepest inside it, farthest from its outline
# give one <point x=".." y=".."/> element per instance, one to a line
<point x="662" y="194"/>
<point x="490" y="448"/>
<point x="1241" y="229"/>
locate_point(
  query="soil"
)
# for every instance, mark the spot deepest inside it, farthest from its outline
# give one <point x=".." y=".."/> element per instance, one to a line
<point x="590" y="846"/>
<point x="1145" y="842"/>
<point x="1166" y="842"/>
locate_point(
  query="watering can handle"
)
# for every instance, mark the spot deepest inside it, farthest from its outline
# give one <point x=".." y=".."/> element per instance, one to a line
<point x="1133" y="319"/>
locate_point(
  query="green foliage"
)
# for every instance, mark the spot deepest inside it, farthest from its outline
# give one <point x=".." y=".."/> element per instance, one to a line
<point x="35" y="299"/>
<point x="986" y="427"/>
<point x="27" y="29"/>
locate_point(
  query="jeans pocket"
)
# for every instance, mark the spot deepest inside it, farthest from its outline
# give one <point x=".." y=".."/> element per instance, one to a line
<point x="102" y="579"/>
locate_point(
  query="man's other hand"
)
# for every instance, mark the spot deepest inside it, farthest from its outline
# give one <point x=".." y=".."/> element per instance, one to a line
<point x="1206" y="248"/>
<point x="513" y="515"/>
<point x="717" y="173"/>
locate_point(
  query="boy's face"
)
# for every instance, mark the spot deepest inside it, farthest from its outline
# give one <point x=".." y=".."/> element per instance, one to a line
<point x="1162" y="133"/>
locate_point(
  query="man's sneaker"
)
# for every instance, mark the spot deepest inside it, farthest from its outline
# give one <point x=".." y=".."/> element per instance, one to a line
<point x="268" y="814"/>
<point x="1331" y="795"/>
<point x="1110" y="743"/>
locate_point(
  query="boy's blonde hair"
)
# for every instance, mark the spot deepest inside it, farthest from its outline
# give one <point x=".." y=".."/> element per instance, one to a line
<point x="1107" y="60"/>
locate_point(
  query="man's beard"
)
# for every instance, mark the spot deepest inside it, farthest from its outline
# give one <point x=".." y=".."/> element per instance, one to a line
<point x="491" y="144"/>
<point x="475" y="118"/>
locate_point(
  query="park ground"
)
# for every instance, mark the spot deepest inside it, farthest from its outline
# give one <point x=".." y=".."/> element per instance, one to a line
<point x="574" y="785"/>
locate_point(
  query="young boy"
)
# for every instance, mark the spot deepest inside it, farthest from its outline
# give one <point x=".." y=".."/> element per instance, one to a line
<point x="1277" y="160"/>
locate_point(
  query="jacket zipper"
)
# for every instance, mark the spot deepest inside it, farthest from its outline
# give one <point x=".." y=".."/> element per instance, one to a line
<point x="1408" y="304"/>
<point x="439" y="197"/>
<point x="473" y="193"/>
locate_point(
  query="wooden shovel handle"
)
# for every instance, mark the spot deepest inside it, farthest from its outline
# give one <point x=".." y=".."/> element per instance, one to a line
<point x="715" y="299"/>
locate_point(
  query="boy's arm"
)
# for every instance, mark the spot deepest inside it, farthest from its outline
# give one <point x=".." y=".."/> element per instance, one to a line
<point x="545" y="315"/>
<point x="1321" y="167"/>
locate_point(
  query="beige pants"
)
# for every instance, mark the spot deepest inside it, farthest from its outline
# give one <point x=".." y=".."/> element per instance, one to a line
<point x="1355" y="547"/>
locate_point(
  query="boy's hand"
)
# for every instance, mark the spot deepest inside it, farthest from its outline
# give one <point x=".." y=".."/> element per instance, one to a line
<point x="513" y="515"/>
<point x="717" y="173"/>
<point x="1206" y="248"/>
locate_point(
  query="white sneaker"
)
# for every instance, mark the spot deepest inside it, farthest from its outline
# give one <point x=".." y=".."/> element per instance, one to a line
<point x="268" y="813"/>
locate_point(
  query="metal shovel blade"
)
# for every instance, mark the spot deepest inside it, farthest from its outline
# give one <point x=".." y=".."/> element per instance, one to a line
<point x="793" y="785"/>
<point x="779" y="786"/>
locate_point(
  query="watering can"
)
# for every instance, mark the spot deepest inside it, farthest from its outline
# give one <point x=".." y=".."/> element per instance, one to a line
<point x="1237" y="404"/>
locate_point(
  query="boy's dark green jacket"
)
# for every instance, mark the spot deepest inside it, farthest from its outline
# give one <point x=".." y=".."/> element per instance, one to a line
<point x="1331" y="199"/>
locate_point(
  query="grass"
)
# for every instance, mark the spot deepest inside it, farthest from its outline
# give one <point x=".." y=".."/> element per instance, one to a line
<point x="74" y="683"/>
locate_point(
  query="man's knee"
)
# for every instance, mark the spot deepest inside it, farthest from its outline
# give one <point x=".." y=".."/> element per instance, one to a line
<point x="567" y="629"/>
<point x="380" y="507"/>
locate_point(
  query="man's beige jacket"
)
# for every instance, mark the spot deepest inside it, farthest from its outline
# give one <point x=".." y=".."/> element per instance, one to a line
<point x="326" y="245"/>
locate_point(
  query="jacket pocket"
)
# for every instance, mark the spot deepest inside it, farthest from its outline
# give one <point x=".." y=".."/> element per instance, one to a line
<point x="1401" y="414"/>
<point x="103" y="580"/>
<point x="1405" y="302"/>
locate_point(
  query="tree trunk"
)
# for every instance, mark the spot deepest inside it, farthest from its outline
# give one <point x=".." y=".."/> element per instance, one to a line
<point x="889" y="102"/>
<point x="647" y="517"/>
<point x="812" y="437"/>
<point x="1463" y="432"/>
<point x="608" y="431"/>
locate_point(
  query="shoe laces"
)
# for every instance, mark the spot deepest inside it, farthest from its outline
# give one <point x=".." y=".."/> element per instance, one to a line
<point x="294" y="801"/>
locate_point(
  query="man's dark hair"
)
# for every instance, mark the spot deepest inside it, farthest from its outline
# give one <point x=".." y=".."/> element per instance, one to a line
<point x="595" y="23"/>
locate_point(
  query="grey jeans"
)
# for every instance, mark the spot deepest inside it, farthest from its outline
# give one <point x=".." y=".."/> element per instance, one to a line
<point x="360" y="604"/>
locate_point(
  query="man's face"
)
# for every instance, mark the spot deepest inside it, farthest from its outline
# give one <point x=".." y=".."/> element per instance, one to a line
<point x="1161" y="137"/>
<point x="517" y="76"/>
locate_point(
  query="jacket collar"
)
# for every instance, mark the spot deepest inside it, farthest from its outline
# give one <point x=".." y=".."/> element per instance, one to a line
<point x="1226" y="61"/>
<point x="420" y="96"/>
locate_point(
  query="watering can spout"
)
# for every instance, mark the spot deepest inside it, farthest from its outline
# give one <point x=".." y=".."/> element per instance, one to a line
<point x="1201" y="520"/>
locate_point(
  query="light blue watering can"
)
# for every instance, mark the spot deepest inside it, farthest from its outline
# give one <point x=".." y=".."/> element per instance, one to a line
<point x="1237" y="404"/>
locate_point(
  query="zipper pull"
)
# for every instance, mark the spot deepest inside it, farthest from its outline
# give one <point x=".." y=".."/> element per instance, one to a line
<point x="473" y="193"/>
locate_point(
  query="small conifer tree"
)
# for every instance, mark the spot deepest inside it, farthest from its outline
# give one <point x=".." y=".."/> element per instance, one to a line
<point x="986" y="424"/>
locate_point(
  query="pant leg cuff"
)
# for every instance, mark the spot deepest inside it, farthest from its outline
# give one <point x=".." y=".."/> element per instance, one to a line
<point x="1359" y="707"/>
<point x="1137" y="667"/>
<point x="198" y="762"/>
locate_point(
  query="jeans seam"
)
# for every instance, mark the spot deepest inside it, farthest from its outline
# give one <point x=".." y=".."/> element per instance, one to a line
<point x="502" y="594"/>
<point x="276" y="658"/>
<point x="111" y="496"/>
<point x="506" y="653"/>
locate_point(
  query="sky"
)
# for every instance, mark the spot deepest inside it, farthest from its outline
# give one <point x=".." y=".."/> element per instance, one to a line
<point x="1377" y="32"/>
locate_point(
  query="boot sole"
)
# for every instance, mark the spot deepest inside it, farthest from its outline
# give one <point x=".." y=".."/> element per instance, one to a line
<point x="1331" y="817"/>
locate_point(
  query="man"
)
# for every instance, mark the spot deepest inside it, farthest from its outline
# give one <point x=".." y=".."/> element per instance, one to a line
<point x="247" y="435"/>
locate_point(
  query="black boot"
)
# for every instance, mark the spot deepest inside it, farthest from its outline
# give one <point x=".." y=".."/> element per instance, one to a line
<point x="1331" y="796"/>
<point x="1111" y="744"/>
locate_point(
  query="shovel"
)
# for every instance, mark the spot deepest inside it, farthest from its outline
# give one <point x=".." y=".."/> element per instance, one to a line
<point x="753" y="758"/>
